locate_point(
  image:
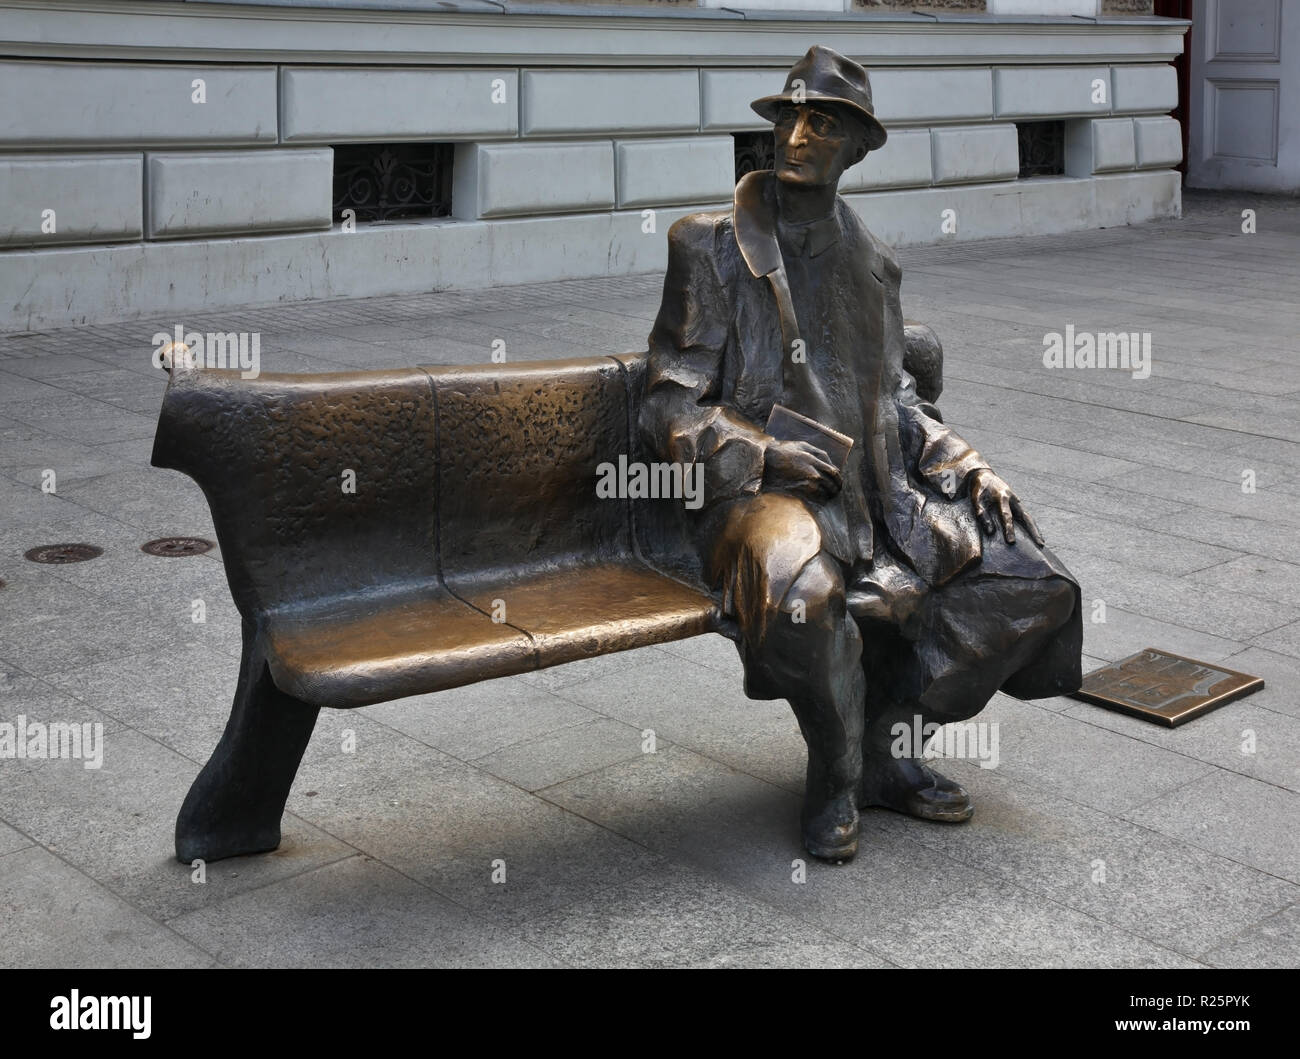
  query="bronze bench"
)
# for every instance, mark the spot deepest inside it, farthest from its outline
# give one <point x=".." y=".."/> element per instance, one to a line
<point x="466" y="543"/>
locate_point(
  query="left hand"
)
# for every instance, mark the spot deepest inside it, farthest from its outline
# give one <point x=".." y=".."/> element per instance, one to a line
<point x="995" y="503"/>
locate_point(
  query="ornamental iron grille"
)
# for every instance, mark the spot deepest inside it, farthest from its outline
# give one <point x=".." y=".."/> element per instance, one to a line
<point x="754" y="150"/>
<point x="385" y="181"/>
<point x="1042" y="148"/>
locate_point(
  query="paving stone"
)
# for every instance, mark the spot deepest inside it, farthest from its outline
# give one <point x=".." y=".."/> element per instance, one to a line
<point x="1216" y="611"/>
<point x="1255" y="576"/>
<point x="354" y="913"/>
<point x="562" y="754"/>
<point x="1231" y="815"/>
<point x="11" y="840"/>
<point x="1124" y="633"/>
<point x="1285" y="639"/>
<point x="444" y="824"/>
<point x="99" y="632"/>
<point x="706" y="710"/>
<point x="1239" y="737"/>
<point x="1169" y="892"/>
<point x="715" y="651"/>
<point x="162" y="503"/>
<point x="1273" y="942"/>
<point x="179" y="695"/>
<point x="897" y="899"/>
<point x="556" y="678"/>
<point x="117" y="823"/>
<point x="474" y="721"/>
<point x="686" y="806"/>
<point x="55" y="916"/>
<point x="1097" y="767"/>
<point x="1162" y="553"/>
<point x="1281" y="676"/>
<point x="677" y="917"/>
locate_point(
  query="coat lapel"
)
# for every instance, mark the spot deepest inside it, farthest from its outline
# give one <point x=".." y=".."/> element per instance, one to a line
<point x="754" y="222"/>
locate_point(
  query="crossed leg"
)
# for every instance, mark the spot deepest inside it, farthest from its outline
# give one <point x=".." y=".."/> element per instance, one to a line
<point x="799" y="643"/>
<point x="973" y="635"/>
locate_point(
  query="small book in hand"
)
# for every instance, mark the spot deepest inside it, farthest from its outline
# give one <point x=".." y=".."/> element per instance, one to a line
<point x="787" y="425"/>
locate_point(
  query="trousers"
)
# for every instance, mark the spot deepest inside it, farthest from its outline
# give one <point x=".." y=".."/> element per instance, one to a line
<point x="937" y="652"/>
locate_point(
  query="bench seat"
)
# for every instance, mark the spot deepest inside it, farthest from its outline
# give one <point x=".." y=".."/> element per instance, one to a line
<point x="362" y="649"/>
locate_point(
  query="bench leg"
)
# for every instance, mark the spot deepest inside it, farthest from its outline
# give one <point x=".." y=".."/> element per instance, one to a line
<point x="235" y="805"/>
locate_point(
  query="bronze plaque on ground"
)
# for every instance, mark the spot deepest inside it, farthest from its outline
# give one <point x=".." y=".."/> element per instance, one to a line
<point x="1164" y="688"/>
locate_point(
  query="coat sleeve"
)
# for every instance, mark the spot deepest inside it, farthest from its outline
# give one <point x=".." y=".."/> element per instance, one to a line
<point x="933" y="451"/>
<point x="682" y="419"/>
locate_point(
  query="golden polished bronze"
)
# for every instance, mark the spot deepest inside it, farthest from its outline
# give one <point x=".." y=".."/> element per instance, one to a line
<point x="883" y="574"/>
<point x="471" y="497"/>
<point x="393" y="533"/>
<point x="1164" y="688"/>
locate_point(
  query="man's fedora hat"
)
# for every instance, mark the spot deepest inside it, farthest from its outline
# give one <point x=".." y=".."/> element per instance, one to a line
<point x="828" y="77"/>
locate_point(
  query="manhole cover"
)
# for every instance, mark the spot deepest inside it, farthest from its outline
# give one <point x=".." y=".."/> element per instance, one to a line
<point x="63" y="553"/>
<point x="177" y="546"/>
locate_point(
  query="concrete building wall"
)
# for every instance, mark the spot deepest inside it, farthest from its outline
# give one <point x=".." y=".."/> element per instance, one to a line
<point x="206" y="179"/>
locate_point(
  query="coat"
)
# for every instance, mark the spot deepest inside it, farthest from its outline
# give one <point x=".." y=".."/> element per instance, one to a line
<point x="734" y="306"/>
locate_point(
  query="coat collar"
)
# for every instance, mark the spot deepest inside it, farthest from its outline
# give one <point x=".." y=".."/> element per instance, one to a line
<point x="754" y="218"/>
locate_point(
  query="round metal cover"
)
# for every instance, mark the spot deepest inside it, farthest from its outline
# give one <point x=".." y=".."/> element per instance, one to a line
<point x="63" y="553"/>
<point x="177" y="546"/>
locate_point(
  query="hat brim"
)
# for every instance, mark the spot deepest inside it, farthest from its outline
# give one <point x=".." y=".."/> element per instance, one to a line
<point x="769" y="106"/>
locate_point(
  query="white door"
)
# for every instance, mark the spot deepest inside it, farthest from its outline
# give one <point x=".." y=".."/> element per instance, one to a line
<point x="1244" y="130"/>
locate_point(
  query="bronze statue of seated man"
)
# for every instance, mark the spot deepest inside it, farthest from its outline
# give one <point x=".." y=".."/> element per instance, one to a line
<point x="897" y="581"/>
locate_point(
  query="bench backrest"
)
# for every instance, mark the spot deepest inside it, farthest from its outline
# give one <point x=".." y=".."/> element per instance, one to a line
<point x="457" y="474"/>
<point x="519" y="452"/>
<point x="336" y="484"/>
<point x="272" y="455"/>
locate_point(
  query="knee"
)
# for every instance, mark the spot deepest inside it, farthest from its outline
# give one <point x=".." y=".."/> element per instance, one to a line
<point x="817" y="594"/>
<point x="1057" y="599"/>
<point x="776" y="525"/>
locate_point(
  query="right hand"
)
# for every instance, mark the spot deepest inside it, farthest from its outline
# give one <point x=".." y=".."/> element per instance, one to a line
<point x="798" y="467"/>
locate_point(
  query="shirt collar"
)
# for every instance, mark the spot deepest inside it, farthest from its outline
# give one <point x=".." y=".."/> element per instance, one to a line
<point x="811" y="238"/>
<point x="755" y="219"/>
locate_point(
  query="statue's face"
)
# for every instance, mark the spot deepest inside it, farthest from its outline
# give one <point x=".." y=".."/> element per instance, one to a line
<point x="815" y="143"/>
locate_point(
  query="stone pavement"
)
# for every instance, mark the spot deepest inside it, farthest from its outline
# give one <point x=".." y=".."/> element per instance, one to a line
<point x="1097" y="840"/>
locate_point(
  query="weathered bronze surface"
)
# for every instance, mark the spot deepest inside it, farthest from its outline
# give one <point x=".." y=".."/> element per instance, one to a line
<point x="1164" y="688"/>
<point x="893" y="588"/>
<point x="177" y="547"/>
<point x="394" y="533"/>
<point x="59" y="554"/>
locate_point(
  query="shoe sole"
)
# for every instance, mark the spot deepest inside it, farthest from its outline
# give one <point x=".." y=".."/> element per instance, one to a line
<point x="958" y="817"/>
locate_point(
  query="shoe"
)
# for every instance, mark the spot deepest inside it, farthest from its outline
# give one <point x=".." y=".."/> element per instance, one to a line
<point x="831" y="832"/>
<point x="908" y="786"/>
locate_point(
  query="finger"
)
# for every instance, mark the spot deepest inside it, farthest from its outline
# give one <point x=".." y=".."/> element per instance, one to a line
<point x="824" y="467"/>
<point x="1008" y="523"/>
<point x="981" y="513"/>
<point x="831" y="483"/>
<point x="812" y="450"/>
<point x="1026" y="521"/>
